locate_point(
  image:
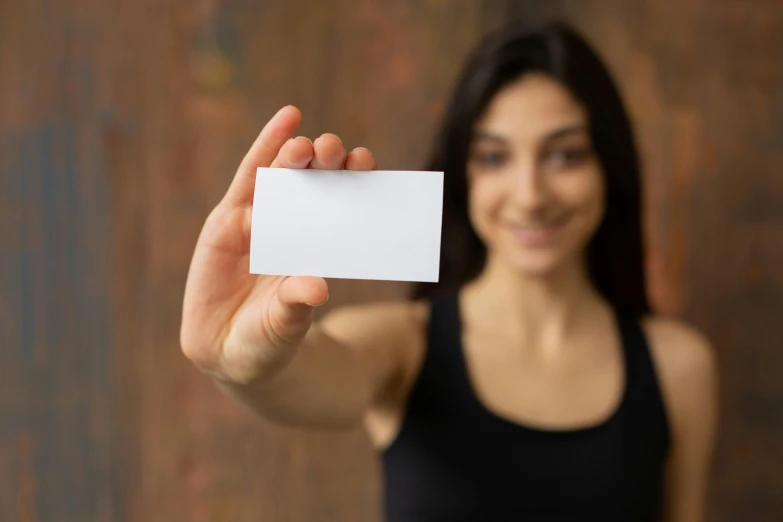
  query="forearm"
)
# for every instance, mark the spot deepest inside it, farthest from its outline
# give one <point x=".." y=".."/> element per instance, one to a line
<point x="323" y="386"/>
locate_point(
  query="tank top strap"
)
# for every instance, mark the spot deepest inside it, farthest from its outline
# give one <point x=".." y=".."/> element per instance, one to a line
<point x="441" y="385"/>
<point x="643" y="404"/>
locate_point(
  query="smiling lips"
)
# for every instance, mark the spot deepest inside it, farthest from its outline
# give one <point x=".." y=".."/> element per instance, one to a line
<point x="537" y="235"/>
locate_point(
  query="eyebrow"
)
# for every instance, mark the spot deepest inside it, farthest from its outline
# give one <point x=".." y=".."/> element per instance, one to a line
<point x="556" y="134"/>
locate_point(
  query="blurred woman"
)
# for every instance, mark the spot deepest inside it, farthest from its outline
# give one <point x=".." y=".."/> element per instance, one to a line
<point x="533" y="381"/>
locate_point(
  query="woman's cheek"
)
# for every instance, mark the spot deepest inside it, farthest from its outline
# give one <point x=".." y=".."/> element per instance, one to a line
<point x="483" y="205"/>
<point x="589" y="200"/>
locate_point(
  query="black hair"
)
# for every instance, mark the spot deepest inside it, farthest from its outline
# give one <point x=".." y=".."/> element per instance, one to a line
<point x="615" y="254"/>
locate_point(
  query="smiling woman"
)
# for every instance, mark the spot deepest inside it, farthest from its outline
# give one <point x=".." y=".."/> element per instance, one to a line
<point x="543" y="102"/>
<point x="536" y="188"/>
<point x="541" y="320"/>
<point x="532" y="382"/>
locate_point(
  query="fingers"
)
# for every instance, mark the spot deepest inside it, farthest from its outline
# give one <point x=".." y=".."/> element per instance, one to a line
<point x="262" y="153"/>
<point x="329" y="153"/>
<point x="311" y="291"/>
<point x="360" y="159"/>
<point x="295" y="154"/>
<point x="274" y="147"/>
<point x="291" y="311"/>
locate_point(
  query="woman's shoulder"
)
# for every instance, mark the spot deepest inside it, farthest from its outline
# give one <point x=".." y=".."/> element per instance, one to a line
<point x="379" y="316"/>
<point x="390" y="339"/>
<point x="686" y="365"/>
<point x="392" y="333"/>
<point x="679" y="349"/>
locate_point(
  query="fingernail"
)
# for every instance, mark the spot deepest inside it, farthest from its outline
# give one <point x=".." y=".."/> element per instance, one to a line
<point x="335" y="135"/>
<point x="319" y="304"/>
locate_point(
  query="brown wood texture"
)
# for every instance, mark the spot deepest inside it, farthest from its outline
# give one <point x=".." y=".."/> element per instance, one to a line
<point x="121" y="124"/>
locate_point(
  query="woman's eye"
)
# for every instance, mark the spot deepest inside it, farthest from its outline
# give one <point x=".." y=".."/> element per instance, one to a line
<point x="489" y="159"/>
<point x="566" y="157"/>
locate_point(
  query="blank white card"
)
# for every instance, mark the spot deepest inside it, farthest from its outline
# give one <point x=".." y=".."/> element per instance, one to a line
<point x="347" y="224"/>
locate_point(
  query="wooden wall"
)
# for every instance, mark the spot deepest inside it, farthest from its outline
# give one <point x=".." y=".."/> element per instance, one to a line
<point x="121" y="124"/>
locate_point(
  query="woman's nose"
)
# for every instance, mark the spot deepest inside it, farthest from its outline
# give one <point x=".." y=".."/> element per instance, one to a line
<point x="528" y="187"/>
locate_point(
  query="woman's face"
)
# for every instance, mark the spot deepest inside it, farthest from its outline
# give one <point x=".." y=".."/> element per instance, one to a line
<point x="536" y="190"/>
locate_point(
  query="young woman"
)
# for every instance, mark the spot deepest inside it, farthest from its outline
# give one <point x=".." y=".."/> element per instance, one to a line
<point x="532" y="383"/>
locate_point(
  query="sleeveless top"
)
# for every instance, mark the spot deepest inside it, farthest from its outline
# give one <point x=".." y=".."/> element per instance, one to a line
<point x="455" y="461"/>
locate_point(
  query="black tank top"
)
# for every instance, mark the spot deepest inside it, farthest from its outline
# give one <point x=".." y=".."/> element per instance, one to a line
<point x="455" y="461"/>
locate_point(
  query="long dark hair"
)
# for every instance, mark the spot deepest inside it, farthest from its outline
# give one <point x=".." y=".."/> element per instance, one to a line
<point x="615" y="255"/>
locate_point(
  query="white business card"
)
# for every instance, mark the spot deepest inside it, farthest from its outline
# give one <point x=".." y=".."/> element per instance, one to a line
<point x="347" y="224"/>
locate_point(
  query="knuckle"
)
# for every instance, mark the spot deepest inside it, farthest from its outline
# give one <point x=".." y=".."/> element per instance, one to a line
<point x="194" y="352"/>
<point x="287" y="329"/>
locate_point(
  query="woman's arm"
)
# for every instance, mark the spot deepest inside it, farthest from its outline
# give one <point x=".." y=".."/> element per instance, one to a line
<point x="347" y="363"/>
<point x="688" y="373"/>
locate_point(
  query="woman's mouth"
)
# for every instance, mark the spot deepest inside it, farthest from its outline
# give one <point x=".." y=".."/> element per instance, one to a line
<point x="535" y="235"/>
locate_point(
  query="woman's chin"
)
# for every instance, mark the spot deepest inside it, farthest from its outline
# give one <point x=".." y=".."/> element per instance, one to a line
<point x="535" y="264"/>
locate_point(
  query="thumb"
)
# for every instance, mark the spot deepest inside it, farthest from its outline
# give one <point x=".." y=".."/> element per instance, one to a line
<point x="292" y="308"/>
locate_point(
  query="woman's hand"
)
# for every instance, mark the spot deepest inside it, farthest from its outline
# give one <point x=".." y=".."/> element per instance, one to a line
<point x="237" y="326"/>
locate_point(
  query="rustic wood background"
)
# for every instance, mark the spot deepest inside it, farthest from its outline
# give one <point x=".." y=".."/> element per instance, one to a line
<point x="121" y="124"/>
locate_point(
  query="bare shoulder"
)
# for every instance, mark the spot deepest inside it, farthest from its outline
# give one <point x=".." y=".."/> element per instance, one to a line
<point x="685" y="361"/>
<point x="390" y="341"/>
<point x="379" y="319"/>
<point x="678" y="348"/>
<point x="387" y="336"/>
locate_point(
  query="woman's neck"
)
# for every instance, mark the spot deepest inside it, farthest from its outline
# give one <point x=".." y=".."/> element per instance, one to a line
<point x="542" y="309"/>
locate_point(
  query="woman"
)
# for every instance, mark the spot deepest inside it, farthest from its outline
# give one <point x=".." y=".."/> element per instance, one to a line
<point x="532" y="382"/>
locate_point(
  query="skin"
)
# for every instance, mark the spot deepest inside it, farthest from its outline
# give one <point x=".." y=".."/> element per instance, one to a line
<point x="539" y="341"/>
